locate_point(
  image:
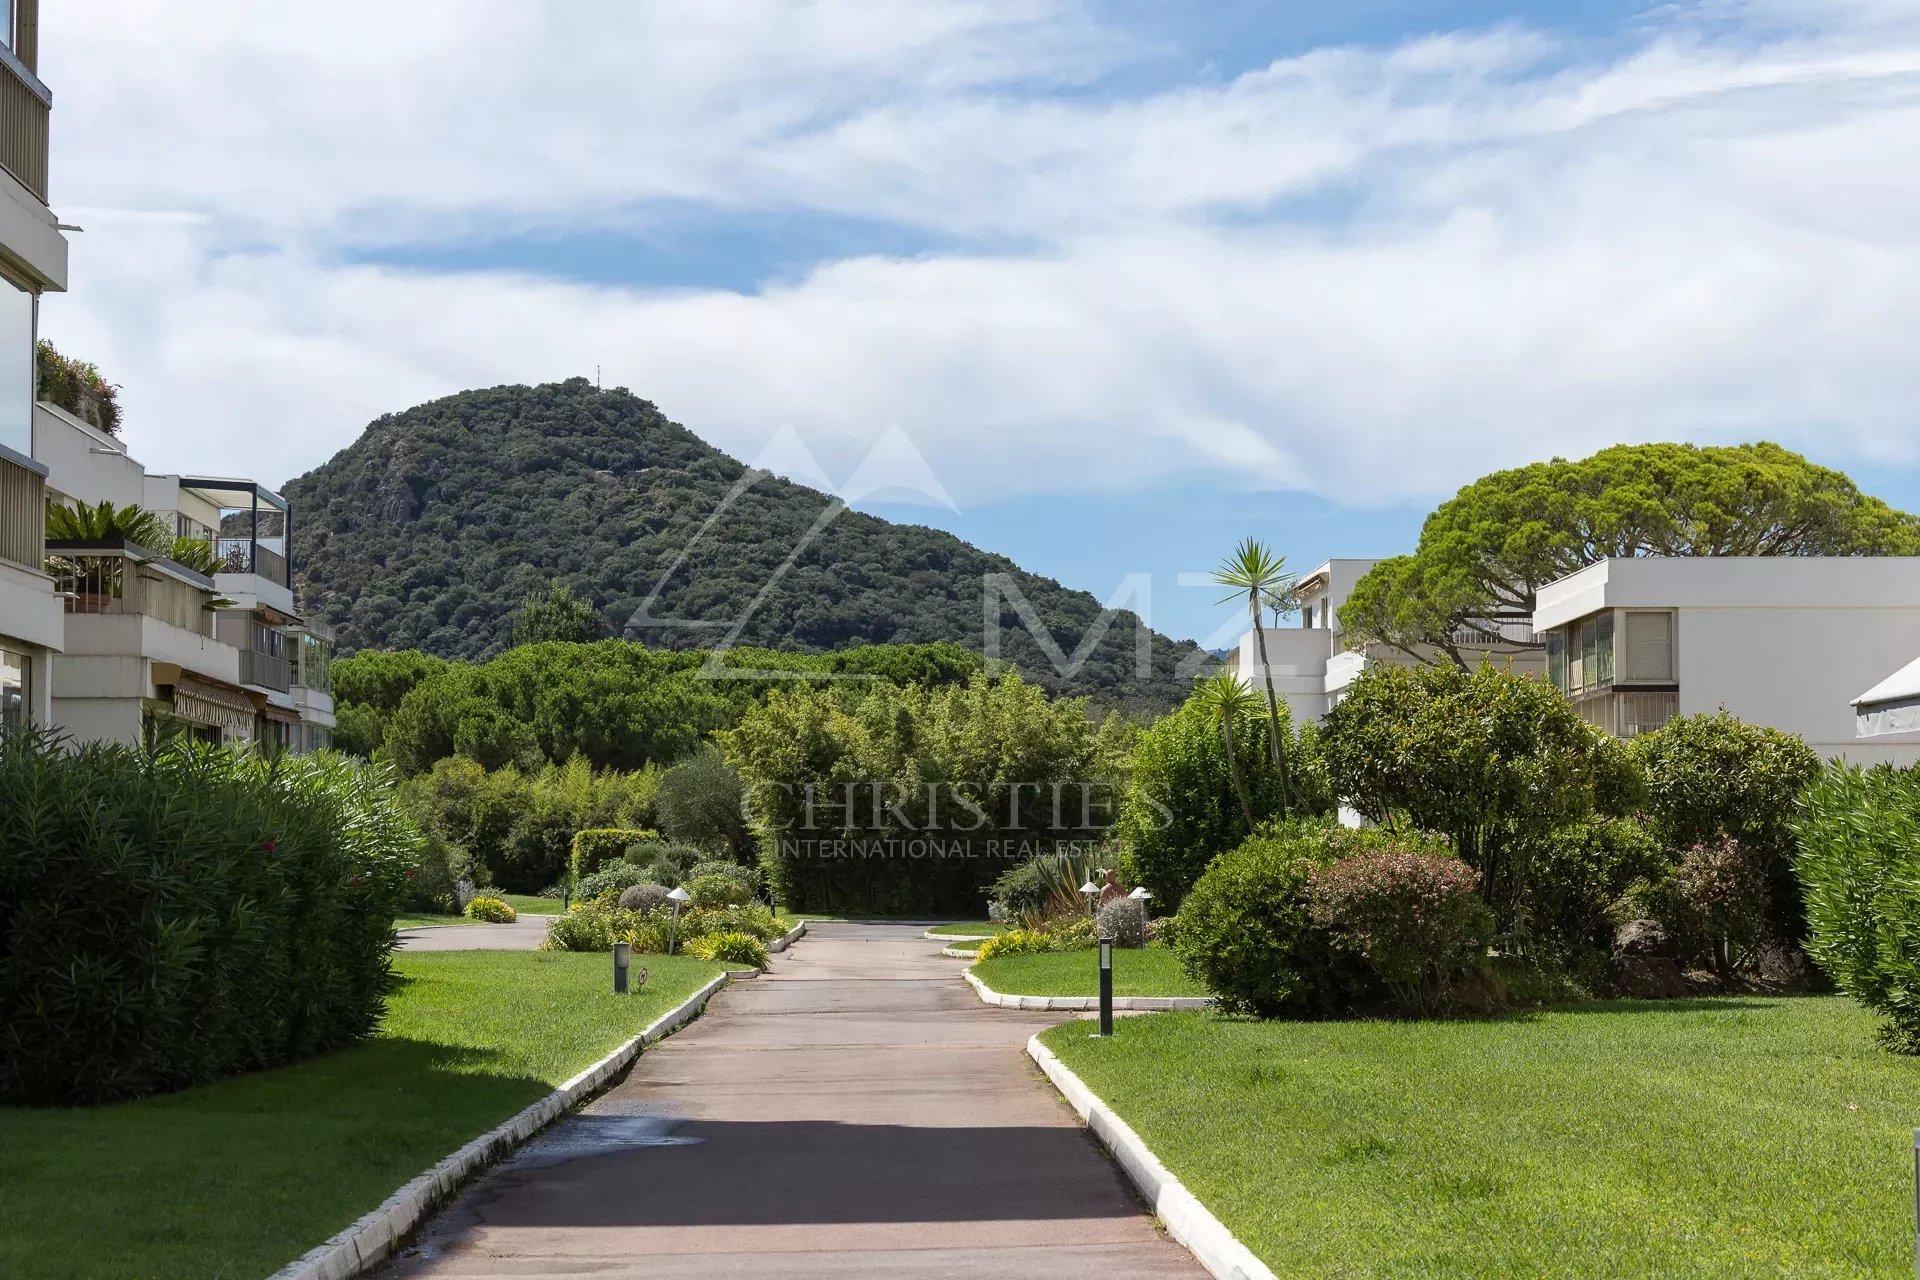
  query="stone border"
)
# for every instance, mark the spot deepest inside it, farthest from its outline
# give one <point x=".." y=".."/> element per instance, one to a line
<point x="1081" y="1004"/>
<point x="958" y="954"/>
<point x="787" y="939"/>
<point x="373" y="1237"/>
<point x="931" y="936"/>
<point x="1187" y="1220"/>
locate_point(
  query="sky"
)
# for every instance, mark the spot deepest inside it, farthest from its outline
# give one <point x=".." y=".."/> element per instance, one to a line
<point x="1134" y="279"/>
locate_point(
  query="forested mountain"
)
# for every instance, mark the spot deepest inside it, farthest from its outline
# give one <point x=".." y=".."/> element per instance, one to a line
<point x="432" y="528"/>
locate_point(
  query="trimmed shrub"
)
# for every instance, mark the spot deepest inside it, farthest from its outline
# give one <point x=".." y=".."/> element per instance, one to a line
<point x="747" y="877"/>
<point x="610" y="881"/>
<point x="1245" y="932"/>
<point x="1859" y="834"/>
<point x="699" y="803"/>
<point x="434" y="886"/>
<point x="595" y="847"/>
<point x="708" y="891"/>
<point x="1415" y="918"/>
<point x="169" y="919"/>
<point x="643" y="897"/>
<point x="753" y="918"/>
<point x="730" y="947"/>
<point x="1576" y="876"/>
<point x="664" y="862"/>
<point x="1124" y="920"/>
<point x="490" y="910"/>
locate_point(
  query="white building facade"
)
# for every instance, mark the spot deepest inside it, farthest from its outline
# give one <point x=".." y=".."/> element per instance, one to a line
<point x="1784" y="641"/>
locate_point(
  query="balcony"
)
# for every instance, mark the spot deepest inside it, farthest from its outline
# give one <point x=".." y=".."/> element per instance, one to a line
<point x="23" y="514"/>
<point x="24" y="107"/>
<point x="265" y="657"/>
<point x="122" y="579"/>
<point x="265" y="670"/>
<point x="1627" y="713"/>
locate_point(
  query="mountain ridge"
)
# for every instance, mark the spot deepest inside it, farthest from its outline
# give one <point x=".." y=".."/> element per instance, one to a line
<point x="429" y="529"/>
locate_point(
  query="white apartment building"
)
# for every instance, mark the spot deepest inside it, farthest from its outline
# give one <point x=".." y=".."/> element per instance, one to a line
<point x="1312" y="664"/>
<point x="33" y="260"/>
<point x="152" y="648"/>
<point x="1784" y="641"/>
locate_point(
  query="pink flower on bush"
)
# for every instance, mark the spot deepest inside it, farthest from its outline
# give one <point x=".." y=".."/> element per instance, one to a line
<point x="1415" y="918"/>
<point x="266" y="846"/>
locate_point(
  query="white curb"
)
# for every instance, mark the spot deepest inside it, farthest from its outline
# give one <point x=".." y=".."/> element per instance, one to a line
<point x="956" y="937"/>
<point x="1080" y="1004"/>
<point x="1187" y="1220"/>
<point x="787" y="939"/>
<point x="958" y="954"/>
<point x="373" y="1237"/>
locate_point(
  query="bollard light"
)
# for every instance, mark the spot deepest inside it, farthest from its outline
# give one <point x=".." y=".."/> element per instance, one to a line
<point x="678" y="897"/>
<point x="1106" y="986"/>
<point x="1140" y="894"/>
<point x="622" y="957"/>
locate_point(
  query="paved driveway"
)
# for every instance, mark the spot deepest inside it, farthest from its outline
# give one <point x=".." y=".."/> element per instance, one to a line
<point x="854" y="1112"/>
<point x="524" y="934"/>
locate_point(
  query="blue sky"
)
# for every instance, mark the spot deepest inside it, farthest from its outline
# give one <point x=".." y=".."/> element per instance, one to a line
<point x="1135" y="279"/>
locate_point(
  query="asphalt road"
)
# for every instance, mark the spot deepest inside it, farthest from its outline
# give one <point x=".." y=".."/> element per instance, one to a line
<point x="855" y="1112"/>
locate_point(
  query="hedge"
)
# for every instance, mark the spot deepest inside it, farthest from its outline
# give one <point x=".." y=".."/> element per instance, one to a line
<point x="170" y="919"/>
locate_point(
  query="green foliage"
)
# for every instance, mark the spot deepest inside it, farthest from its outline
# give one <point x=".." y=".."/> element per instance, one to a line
<point x="1063" y="934"/>
<point x="433" y="886"/>
<point x="431" y="529"/>
<point x="1859" y="858"/>
<point x="993" y="750"/>
<point x="367" y="689"/>
<point x="1044" y="887"/>
<point x="751" y="917"/>
<point x="717" y="891"/>
<point x="1260" y="579"/>
<point x="170" y="918"/>
<point x="1720" y="891"/>
<point x="1124" y="920"/>
<point x="668" y="863"/>
<point x="76" y="386"/>
<point x="104" y="521"/>
<point x="1577" y="873"/>
<point x="589" y="926"/>
<point x="699" y="803"/>
<point x="1495" y="761"/>
<point x="1709" y="776"/>
<point x="643" y="897"/>
<point x="1484" y="554"/>
<point x="1180" y="810"/>
<point x="595" y="847"/>
<point x="611" y="882"/>
<point x="732" y="948"/>
<point x="1244" y="929"/>
<point x="1412" y="913"/>
<point x="557" y="614"/>
<point x="490" y="910"/>
<point x="745" y="877"/>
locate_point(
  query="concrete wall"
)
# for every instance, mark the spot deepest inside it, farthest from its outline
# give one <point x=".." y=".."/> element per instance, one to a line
<point x="29" y="610"/>
<point x="85" y="464"/>
<point x="1298" y="658"/>
<point x="99" y="719"/>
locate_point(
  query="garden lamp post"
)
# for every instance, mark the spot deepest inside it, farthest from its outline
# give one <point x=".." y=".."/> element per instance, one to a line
<point x="678" y="897"/>
<point x="1140" y="895"/>
<point x="1090" y="891"/>
<point x="1106" y="987"/>
<point x="622" y="957"/>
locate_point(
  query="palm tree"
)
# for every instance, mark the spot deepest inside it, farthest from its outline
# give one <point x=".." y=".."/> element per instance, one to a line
<point x="82" y="523"/>
<point x="1224" y="695"/>
<point x="1260" y="578"/>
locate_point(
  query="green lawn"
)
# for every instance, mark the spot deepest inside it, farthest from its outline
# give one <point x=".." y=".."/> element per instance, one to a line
<point x="1153" y="971"/>
<point x="957" y="944"/>
<point x="427" y="922"/>
<point x="524" y="903"/>
<point x="235" y="1179"/>
<point x="983" y="928"/>
<point x="1708" y="1138"/>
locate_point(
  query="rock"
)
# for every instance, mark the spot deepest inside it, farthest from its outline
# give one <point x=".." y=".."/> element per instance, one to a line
<point x="1644" y="938"/>
<point x="1647" y="977"/>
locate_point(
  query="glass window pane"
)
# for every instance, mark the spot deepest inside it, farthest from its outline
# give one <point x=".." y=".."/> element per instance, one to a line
<point x="1650" y="647"/>
<point x="16" y="367"/>
<point x="16" y="691"/>
<point x="1557" y="658"/>
<point x="1603" y="650"/>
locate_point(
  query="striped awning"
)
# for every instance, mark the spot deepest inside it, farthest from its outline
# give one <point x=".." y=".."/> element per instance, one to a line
<point x="280" y="714"/>
<point x="204" y="702"/>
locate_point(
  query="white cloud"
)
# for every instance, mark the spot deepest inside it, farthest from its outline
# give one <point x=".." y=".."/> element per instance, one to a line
<point x="1374" y="273"/>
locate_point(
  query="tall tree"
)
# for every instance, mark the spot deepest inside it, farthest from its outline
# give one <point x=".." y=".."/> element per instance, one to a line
<point x="557" y="615"/>
<point x="1227" y="699"/>
<point x="1260" y="577"/>
<point x="1485" y="553"/>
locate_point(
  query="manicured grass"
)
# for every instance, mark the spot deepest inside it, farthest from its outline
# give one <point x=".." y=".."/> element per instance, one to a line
<point x="960" y="945"/>
<point x="428" y="922"/>
<point x="1153" y="971"/>
<point x="1729" y="1137"/>
<point x="985" y="928"/>
<point x="526" y="904"/>
<point x="237" y="1178"/>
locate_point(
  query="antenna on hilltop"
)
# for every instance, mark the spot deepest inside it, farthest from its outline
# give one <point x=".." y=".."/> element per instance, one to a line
<point x="596" y="378"/>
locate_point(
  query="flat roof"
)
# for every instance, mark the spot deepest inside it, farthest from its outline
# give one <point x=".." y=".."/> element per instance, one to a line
<point x="1730" y="582"/>
<point x="211" y="485"/>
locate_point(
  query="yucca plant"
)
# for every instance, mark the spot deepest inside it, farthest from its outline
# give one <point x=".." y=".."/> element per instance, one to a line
<point x="1224" y="695"/>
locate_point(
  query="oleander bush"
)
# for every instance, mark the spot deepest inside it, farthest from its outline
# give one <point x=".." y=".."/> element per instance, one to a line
<point x="1415" y="917"/>
<point x="1859" y="858"/>
<point x="490" y="910"/>
<point x="730" y="947"/>
<point x="172" y="918"/>
<point x="1124" y="920"/>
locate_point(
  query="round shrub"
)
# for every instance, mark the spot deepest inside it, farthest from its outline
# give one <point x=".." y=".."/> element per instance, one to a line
<point x="588" y="926"/>
<point x="610" y="881"/>
<point x="1124" y="920"/>
<point x="731" y="948"/>
<point x="490" y="910"/>
<point x="664" y="862"/>
<point x="699" y="803"/>
<point x="1245" y="932"/>
<point x="1415" y="918"/>
<point x="753" y="918"/>
<point x="643" y="897"/>
<point x="1575" y="878"/>
<point x="709" y="891"/>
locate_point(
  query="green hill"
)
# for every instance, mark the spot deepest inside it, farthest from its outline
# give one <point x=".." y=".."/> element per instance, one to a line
<point x="430" y="529"/>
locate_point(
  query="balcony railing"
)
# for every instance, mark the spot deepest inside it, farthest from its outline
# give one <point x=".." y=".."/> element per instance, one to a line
<point x="117" y="581"/>
<point x="1628" y="713"/>
<point x="265" y="670"/>
<point x="244" y="555"/>
<point x="23" y="125"/>
<point x="1508" y="633"/>
<point x="23" y="515"/>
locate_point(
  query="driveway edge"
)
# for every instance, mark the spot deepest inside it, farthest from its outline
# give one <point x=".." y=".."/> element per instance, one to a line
<point x="1187" y="1220"/>
<point x="372" y="1238"/>
<point x="1081" y="1004"/>
<point x="787" y="939"/>
<point x="955" y="937"/>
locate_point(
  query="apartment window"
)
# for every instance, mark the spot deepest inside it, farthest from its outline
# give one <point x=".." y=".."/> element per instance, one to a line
<point x="16" y="364"/>
<point x="1590" y="655"/>
<point x="7" y="19"/>
<point x="1557" y="659"/>
<point x="16" y="691"/>
<point x="315" y="661"/>
<point x="1649" y="656"/>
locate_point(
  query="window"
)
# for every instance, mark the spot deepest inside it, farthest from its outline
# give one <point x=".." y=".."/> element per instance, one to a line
<point x="6" y="24"/>
<point x="16" y="365"/>
<point x="1557" y="659"/>
<point x="16" y="691"/>
<point x="1590" y="660"/>
<point x="1649" y="638"/>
